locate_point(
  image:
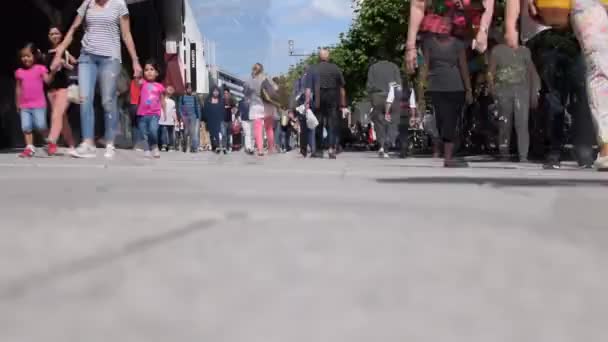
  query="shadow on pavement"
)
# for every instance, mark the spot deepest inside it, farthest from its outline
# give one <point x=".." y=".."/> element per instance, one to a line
<point x="496" y="182"/>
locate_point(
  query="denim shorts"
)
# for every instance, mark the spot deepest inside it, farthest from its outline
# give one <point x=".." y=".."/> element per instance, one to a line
<point x="33" y="119"/>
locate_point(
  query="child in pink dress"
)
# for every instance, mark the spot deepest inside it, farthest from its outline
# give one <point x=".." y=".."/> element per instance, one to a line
<point x="149" y="111"/>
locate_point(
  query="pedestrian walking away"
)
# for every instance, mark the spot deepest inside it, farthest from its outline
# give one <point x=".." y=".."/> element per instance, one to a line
<point x="260" y="112"/>
<point x="167" y="121"/>
<point x="331" y="97"/>
<point x="189" y="110"/>
<point x="213" y="115"/>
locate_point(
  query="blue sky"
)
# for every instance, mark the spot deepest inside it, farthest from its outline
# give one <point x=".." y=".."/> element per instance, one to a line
<point x="250" y="31"/>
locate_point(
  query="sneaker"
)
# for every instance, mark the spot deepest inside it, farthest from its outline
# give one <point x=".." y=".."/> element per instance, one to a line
<point x="333" y="154"/>
<point x="110" y="151"/>
<point x="51" y="149"/>
<point x="601" y="164"/>
<point x="28" y="152"/>
<point x="156" y="153"/>
<point x="84" y="150"/>
<point x="455" y="163"/>
<point x="552" y="165"/>
<point x="225" y="151"/>
<point x="147" y="154"/>
<point x="164" y="148"/>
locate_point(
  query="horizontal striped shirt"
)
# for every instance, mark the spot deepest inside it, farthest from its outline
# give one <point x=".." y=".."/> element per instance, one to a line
<point x="102" y="27"/>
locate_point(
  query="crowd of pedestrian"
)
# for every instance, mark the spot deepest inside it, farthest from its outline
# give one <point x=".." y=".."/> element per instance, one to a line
<point x="258" y="124"/>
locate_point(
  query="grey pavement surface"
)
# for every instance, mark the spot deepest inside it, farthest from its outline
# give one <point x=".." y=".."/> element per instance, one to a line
<point x="237" y="248"/>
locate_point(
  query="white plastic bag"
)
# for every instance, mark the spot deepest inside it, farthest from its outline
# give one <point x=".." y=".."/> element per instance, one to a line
<point x="74" y="94"/>
<point x="311" y="120"/>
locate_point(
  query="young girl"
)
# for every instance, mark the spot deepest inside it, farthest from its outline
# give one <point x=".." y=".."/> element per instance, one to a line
<point x="29" y="95"/>
<point x="150" y="108"/>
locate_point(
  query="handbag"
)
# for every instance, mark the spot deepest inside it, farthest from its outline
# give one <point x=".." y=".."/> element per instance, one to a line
<point x="311" y="120"/>
<point x="269" y="93"/>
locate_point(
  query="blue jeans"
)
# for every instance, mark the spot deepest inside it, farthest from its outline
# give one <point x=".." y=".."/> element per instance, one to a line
<point x="107" y="69"/>
<point x="148" y="126"/>
<point x="192" y="128"/>
<point x="33" y="119"/>
<point x="226" y="132"/>
<point x="307" y="136"/>
<point x="166" y="136"/>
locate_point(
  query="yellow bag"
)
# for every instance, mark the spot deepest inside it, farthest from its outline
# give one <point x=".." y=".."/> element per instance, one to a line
<point x="556" y="13"/>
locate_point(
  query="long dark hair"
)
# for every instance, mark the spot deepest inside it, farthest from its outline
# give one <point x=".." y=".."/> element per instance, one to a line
<point x="35" y="52"/>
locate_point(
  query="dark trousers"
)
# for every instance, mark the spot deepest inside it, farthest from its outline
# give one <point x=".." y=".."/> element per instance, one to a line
<point x="327" y="114"/>
<point x="448" y="111"/>
<point x="167" y="138"/>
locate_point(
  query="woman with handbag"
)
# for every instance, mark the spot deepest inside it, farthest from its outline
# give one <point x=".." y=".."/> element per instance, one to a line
<point x="589" y="19"/>
<point x="57" y="92"/>
<point x="106" y="21"/>
<point x="261" y="111"/>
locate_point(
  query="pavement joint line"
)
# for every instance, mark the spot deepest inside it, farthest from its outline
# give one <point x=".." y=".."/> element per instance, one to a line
<point x="21" y="287"/>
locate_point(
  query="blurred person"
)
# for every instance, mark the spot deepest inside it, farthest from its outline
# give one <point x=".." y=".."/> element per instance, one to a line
<point x="150" y="110"/>
<point x="297" y="99"/>
<point x="511" y="75"/>
<point x="134" y="94"/>
<point x="168" y="121"/>
<point x="383" y="86"/>
<point x="189" y="110"/>
<point x="29" y="96"/>
<point x="105" y="22"/>
<point x="331" y="97"/>
<point x="226" y="125"/>
<point x="243" y="114"/>
<point x="589" y="20"/>
<point x="213" y="114"/>
<point x="261" y="112"/>
<point x="449" y="86"/>
<point x="57" y="93"/>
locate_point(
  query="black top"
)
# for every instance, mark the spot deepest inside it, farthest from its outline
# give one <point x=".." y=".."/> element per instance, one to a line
<point x="329" y="76"/>
<point x="61" y="79"/>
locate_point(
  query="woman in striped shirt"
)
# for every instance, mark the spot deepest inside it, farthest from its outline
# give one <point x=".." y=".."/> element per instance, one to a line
<point x="106" y="22"/>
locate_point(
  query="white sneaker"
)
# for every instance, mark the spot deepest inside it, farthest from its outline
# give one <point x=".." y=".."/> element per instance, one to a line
<point x="156" y="153"/>
<point x="110" y="151"/>
<point x="601" y="164"/>
<point x="84" y="150"/>
<point x="147" y="154"/>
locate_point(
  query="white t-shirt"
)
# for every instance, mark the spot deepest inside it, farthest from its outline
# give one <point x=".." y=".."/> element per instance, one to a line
<point x="169" y="113"/>
<point x="102" y="30"/>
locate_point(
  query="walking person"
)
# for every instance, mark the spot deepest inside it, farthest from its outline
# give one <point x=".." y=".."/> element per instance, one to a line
<point x="260" y="112"/>
<point x="243" y="114"/>
<point x="383" y="86"/>
<point x="226" y="125"/>
<point x="511" y="80"/>
<point x="189" y="110"/>
<point x="308" y="80"/>
<point x="106" y="22"/>
<point x="150" y="110"/>
<point x="213" y="115"/>
<point x="589" y="19"/>
<point x="57" y="93"/>
<point x="29" y="96"/>
<point x="168" y="121"/>
<point x="449" y="86"/>
<point x="331" y="96"/>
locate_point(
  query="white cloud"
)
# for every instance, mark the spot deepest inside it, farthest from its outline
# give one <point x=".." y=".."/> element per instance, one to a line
<point x="333" y="8"/>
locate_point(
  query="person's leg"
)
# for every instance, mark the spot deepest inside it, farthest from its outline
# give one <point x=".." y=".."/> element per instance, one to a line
<point x="136" y="135"/>
<point x="247" y="136"/>
<point x="153" y="132"/>
<point x="225" y="132"/>
<point x="27" y="128"/>
<point x="449" y="110"/>
<point x="258" y="131"/>
<point x="521" y="116"/>
<point x="109" y="70"/>
<point x="164" y="136"/>
<point x="39" y="120"/>
<point x="59" y="105"/>
<point x="269" y="126"/>
<point x="142" y="123"/>
<point x="195" y="127"/>
<point x="590" y="23"/>
<point x="505" y="109"/>
<point x="170" y="136"/>
<point x="87" y="78"/>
